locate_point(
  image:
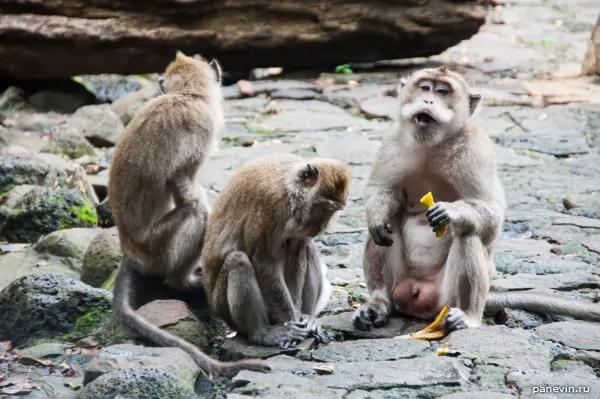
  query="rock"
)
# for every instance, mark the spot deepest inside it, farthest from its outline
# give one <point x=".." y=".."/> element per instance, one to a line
<point x="126" y="356"/>
<point x="338" y="302"/>
<point x="64" y="96"/>
<point x="536" y="384"/>
<point x="28" y="168"/>
<point x="560" y="281"/>
<point x="99" y="182"/>
<point x="111" y="34"/>
<point x="296" y="393"/>
<point x="47" y="350"/>
<point x="416" y="373"/>
<point x="13" y="99"/>
<point x="369" y="350"/>
<point x="98" y="124"/>
<point x="43" y="305"/>
<point x="477" y="395"/>
<point x="592" y="243"/>
<point x="78" y="181"/>
<point x="102" y="256"/>
<point x="575" y="334"/>
<point x="240" y="348"/>
<point x="381" y="107"/>
<point x="570" y="202"/>
<point x="175" y="317"/>
<point x="591" y="61"/>
<point x="67" y="141"/>
<point x="41" y="211"/>
<point x="18" y="264"/>
<point x="342" y="323"/>
<point x="517" y="318"/>
<point x="126" y="106"/>
<point x="137" y="383"/>
<point x="489" y="345"/>
<point x="69" y="243"/>
<point x="294" y="94"/>
<point x="109" y="88"/>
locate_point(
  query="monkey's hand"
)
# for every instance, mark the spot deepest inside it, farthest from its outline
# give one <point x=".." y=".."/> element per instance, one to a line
<point x="370" y="315"/>
<point x="455" y="320"/>
<point x="440" y="214"/>
<point x="290" y="334"/>
<point x="382" y="233"/>
<point x="314" y="328"/>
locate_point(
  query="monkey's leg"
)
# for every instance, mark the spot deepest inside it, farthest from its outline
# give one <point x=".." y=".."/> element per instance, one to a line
<point x="246" y="305"/>
<point x="466" y="283"/>
<point x="316" y="294"/>
<point x="375" y="312"/>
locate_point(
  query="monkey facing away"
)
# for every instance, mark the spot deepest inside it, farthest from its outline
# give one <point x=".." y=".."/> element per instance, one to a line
<point x="261" y="269"/>
<point x="159" y="210"/>
<point x="435" y="147"/>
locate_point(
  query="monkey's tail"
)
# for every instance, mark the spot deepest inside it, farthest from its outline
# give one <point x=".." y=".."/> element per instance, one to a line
<point x="122" y="297"/>
<point x="543" y="303"/>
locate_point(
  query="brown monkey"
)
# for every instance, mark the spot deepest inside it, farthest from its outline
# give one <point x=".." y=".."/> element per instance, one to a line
<point x="261" y="268"/>
<point x="435" y="146"/>
<point x="159" y="210"/>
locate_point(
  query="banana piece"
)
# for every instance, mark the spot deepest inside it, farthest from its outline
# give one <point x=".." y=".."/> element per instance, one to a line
<point x="428" y="201"/>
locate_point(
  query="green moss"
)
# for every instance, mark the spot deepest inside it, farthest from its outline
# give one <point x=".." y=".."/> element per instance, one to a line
<point x="82" y="214"/>
<point x="6" y="188"/>
<point x="101" y="323"/>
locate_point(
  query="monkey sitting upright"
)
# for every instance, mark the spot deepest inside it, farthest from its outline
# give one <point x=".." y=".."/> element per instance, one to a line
<point x="262" y="273"/>
<point x="159" y="210"/>
<point x="435" y="147"/>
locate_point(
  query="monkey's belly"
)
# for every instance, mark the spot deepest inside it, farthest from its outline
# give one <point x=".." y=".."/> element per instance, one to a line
<point x="424" y="254"/>
<point x="417" y="298"/>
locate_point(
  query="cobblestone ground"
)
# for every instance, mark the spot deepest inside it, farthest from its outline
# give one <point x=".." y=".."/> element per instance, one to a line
<point x="546" y="130"/>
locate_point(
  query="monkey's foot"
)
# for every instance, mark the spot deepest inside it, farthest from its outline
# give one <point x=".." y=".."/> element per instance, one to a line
<point x="435" y="330"/>
<point x="456" y="320"/>
<point x="368" y="316"/>
<point x="314" y="329"/>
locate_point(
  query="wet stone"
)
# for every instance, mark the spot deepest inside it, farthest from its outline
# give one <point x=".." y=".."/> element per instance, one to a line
<point x="342" y="323"/>
<point x="537" y="384"/>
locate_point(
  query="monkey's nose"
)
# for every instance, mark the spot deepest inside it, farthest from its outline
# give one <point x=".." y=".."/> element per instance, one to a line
<point x="428" y="102"/>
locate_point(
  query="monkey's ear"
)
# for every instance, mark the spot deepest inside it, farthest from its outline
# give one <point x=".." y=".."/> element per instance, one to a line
<point x="214" y="64"/>
<point x="474" y="100"/>
<point x="401" y="83"/>
<point x="161" y="83"/>
<point x="308" y="173"/>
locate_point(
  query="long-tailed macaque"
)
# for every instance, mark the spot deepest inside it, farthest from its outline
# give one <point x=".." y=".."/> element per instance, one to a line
<point x="158" y="209"/>
<point x="436" y="147"/>
<point x="261" y="268"/>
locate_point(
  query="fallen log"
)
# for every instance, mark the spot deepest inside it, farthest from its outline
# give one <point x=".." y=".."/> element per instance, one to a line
<point x="62" y="38"/>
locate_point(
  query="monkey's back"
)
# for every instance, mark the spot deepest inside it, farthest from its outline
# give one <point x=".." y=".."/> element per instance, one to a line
<point x="170" y="135"/>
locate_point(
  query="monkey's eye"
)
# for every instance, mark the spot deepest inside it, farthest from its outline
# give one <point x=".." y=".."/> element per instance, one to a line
<point x="442" y="90"/>
<point x="425" y="86"/>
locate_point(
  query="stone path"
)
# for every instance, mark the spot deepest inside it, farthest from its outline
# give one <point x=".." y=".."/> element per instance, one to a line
<point x="526" y="56"/>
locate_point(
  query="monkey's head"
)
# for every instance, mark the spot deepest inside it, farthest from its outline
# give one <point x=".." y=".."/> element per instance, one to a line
<point x="324" y="185"/>
<point x="192" y="75"/>
<point x="435" y="103"/>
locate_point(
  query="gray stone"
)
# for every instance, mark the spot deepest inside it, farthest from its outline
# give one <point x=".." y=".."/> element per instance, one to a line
<point x="365" y="350"/>
<point x="517" y="318"/>
<point x="293" y="94"/>
<point x="342" y="323"/>
<point x="578" y="221"/>
<point x="537" y="384"/>
<point x="70" y="243"/>
<point x="102" y="256"/>
<point x="127" y="106"/>
<point x="381" y="107"/>
<point x="137" y="383"/>
<point x="126" y="356"/>
<point x="560" y="281"/>
<point x="97" y="123"/>
<point x="592" y="243"/>
<point x="338" y="302"/>
<point x="575" y="334"/>
<point x="47" y="350"/>
<point x="561" y="233"/>
<point x="67" y="141"/>
<point x="477" y="395"/>
<point x="416" y="373"/>
<point x="240" y="348"/>
<point x="294" y="393"/>
<point x="18" y="264"/>
<point x="27" y="168"/>
<point x="46" y="304"/>
<point x="488" y="345"/>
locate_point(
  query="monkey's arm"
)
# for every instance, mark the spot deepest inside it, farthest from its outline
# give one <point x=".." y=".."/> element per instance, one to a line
<point x="382" y="199"/>
<point x="471" y="216"/>
<point x="271" y="280"/>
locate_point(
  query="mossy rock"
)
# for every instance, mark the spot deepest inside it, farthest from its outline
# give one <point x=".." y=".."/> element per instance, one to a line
<point x="102" y="257"/>
<point x="41" y="211"/>
<point x="100" y="322"/>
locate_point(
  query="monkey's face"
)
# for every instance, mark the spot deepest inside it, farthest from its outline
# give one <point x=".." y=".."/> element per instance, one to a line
<point x="320" y="215"/>
<point x="432" y="106"/>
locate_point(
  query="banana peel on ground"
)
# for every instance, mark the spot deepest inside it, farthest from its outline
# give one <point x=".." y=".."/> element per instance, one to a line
<point x="433" y="331"/>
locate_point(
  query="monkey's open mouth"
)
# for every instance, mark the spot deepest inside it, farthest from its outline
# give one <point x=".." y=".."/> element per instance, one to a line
<point x="424" y="118"/>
